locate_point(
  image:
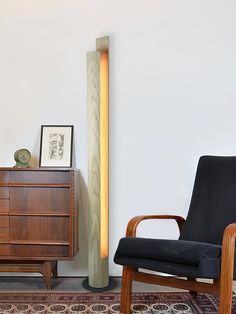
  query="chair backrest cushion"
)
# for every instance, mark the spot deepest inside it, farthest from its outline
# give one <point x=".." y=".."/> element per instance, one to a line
<point x="213" y="203"/>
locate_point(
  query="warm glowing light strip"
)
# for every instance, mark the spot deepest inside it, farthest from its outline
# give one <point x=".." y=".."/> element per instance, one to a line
<point x="104" y="151"/>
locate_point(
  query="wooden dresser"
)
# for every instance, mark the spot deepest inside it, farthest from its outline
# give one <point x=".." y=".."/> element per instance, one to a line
<point x="38" y="219"/>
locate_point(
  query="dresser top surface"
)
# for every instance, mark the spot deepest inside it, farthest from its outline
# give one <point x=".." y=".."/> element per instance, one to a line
<point x="37" y="169"/>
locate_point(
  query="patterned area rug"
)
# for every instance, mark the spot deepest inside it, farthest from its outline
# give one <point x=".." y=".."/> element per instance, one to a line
<point x="107" y="303"/>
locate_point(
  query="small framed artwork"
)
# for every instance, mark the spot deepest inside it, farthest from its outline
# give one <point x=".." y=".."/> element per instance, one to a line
<point x="56" y="146"/>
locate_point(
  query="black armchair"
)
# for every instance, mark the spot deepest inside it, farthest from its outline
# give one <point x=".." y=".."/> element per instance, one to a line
<point x="205" y="248"/>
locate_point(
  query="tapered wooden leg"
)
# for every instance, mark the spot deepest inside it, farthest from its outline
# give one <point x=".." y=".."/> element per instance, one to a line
<point x="226" y="287"/>
<point x="193" y="293"/>
<point x="126" y="289"/>
<point x="54" y="270"/>
<point x="227" y="270"/>
<point x="46" y="271"/>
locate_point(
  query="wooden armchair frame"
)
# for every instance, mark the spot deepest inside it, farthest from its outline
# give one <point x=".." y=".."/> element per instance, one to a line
<point x="223" y="286"/>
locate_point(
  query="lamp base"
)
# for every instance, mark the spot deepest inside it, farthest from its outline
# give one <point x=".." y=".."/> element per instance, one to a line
<point x="111" y="285"/>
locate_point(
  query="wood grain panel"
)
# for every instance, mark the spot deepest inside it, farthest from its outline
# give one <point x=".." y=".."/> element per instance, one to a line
<point x="39" y="228"/>
<point x="4" y="206"/>
<point x="22" y="250"/>
<point x="4" y="221"/>
<point x="4" y="249"/>
<point x="39" y="200"/>
<point x="40" y="177"/>
<point x="4" y="234"/>
<point x="74" y="214"/>
<point x="4" y="192"/>
<point x="98" y="265"/>
<point x="93" y="90"/>
<point x="42" y="219"/>
<point x="102" y="43"/>
<point x="4" y="176"/>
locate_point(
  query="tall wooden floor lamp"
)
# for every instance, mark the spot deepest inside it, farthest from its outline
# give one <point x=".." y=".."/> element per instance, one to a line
<point x="98" y="184"/>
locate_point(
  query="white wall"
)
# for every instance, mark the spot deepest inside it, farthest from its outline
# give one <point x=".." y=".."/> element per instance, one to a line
<point x="172" y="95"/>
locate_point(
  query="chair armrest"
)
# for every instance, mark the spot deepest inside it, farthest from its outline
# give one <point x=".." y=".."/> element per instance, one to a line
<point x="133" y="223"/>
<point x="227" y="255"/>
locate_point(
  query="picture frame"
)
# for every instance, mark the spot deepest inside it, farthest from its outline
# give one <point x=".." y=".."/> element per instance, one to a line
<point x="56" y="146"/>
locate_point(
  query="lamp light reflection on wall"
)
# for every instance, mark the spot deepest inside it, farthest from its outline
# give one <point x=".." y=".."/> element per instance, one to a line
<point x="98" y="176"/>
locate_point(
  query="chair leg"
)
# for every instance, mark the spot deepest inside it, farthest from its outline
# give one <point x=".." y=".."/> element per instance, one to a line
<point x="193" y="293"/>
<point x="227" y="270"/>
<point x="125" y="301"/>
<point x="226" y="289"/>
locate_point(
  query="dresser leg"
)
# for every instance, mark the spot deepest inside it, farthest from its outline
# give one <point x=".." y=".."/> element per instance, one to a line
<point x="54" y="270"/>
<point x="46" y="271"/>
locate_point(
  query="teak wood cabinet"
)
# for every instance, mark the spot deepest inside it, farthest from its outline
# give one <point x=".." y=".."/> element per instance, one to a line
<point x="38" y="219"/>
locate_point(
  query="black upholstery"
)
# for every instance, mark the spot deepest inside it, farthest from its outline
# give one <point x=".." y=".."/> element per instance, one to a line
<point x="197" y="253"/>
<point x="213" y="204"/>
<point x="175" y="251"/>
<point x="196" y="259"/>
<point x="208" y="268"/>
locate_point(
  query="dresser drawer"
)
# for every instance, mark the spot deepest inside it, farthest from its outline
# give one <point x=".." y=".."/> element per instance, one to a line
<point x="4" y="192"/>
<point x="4" y="206"/>
<point x="4" y="176"/>
<point x="37" y="228"/>
<point x="4" y="221"/>
<point x="40" y="177"/>
<point x="4" y="234"/>
<point x="5" y="249"/>
<point x="39" y="200"/>
<point x="23" y="250"/>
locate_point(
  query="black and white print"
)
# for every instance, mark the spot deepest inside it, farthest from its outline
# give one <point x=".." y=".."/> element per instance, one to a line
<point x="56" y="146"/>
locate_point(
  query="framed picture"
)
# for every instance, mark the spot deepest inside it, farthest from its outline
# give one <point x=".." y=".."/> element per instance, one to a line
<point x="56" y="146"/>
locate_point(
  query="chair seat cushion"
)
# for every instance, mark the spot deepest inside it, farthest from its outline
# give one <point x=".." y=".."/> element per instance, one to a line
<point x="208" y="267"/>
<point x="174" y="251"/>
